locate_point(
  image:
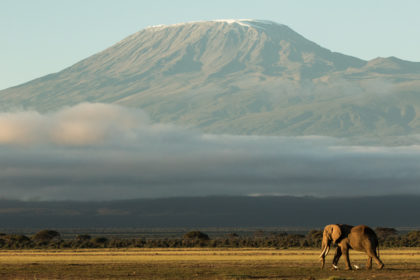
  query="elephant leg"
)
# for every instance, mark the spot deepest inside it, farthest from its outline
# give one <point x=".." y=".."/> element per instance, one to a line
<point x="337" y="256"/>
<point x="346" y="255"/>
<point x="369" y="263"/>
<point x="378" y="262"/>
<point x="371" y="252"/>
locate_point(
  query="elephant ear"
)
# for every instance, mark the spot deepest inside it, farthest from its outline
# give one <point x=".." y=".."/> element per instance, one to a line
<point x="336" y="233"/>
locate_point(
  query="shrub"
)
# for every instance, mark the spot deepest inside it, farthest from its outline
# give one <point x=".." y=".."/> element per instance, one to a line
<point x="19" y="238"/>
<point x="196" y="235"/>
<point x="15" y="241"/>
<point x="383" y="232"/>
<point x="314" y="238"/>
<point x="46" y="235"/>
<point x="259" y="234"/>
<point x="99" y="240"/>
<point x="83" y="237"/>
<point x="232" y="235"/>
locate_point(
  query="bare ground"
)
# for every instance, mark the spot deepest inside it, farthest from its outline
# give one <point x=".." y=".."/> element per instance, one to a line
<point x="198" y="264"/>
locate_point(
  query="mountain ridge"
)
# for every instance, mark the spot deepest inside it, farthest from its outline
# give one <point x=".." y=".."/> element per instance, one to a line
<point x="238" y="77"/>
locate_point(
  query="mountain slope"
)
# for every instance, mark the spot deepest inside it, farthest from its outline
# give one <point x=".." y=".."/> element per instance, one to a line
<point x="232" y="212"/>
<point x="238" y="76"/>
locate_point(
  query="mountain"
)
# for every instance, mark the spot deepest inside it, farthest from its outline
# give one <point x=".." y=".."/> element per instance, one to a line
<point x="238" y="77"/>
<point x="233" y="212"/>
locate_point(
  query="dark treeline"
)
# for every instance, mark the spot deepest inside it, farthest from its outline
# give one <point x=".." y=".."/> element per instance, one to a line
<point x="50" y="239"/>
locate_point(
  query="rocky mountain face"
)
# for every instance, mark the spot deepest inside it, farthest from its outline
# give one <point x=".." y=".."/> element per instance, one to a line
<point x="238" y="77"/>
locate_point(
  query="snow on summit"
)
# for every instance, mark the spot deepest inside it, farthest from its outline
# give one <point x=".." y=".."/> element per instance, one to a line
<point x="244" y="22"/>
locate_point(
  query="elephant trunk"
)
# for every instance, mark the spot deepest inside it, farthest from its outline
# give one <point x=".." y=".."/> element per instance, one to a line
<point x="325" y="250"/>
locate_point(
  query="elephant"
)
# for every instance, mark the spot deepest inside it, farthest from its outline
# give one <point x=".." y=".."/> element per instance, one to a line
<point x="359" y="238"/>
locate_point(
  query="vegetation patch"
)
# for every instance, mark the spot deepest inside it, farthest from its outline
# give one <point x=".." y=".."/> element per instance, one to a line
<point x="45" y="239"/>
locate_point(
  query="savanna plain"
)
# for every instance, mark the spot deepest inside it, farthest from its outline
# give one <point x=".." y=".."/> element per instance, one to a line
<point x="199" y="264"/>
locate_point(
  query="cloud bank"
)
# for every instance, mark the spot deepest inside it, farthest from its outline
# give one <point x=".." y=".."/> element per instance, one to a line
<point x="105" y="152"/>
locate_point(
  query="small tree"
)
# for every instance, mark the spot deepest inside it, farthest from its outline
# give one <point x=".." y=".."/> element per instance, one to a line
<point x="99" y="241"/>
<point x="384" y="232"/>
<point x="232" y="235"/>
<point x="16" y="241"/>
<point x="196" y="235"/>
<point x="83" y="237"/>
<point x="259" y="234"/>
<point x="46" y="235"/>
<point x="314" y="237"/>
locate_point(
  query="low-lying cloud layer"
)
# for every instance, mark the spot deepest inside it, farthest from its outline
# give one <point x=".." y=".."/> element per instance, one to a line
<point x="102" y="152"/>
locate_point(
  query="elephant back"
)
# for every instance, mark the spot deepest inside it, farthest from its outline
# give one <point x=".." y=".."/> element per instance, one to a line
<point x="345" y="229"/>
<point x="366" y="231"/>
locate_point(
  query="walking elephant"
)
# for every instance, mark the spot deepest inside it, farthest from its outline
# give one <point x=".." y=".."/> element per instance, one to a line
<point x="346" y="237"/>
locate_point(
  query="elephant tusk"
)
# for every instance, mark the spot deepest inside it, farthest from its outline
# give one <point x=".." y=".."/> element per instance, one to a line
<point x="328" y="250"/>
<point x="322" y="253"/>
<point x="325" y="252"/>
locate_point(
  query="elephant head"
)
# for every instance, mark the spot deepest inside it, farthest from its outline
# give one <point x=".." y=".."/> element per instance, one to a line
<point x="332" y="233"/>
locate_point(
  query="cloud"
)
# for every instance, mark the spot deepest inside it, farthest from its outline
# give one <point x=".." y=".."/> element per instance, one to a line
<point x="103" y="152"/>
<point x="81" y="125"/>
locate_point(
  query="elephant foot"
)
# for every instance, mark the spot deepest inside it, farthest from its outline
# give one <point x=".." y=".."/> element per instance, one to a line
<point x="334" y="267"/>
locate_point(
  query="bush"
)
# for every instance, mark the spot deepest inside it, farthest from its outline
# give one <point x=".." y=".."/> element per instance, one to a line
<point x="46" y="235"/>
<point x="314" y="238"/>
<point x="99" y="240"/>
<point x="232" y="235"/>
<point x="383" y="232"/>
<point x="196" y="235"/>
<point x="16" y="238"/>
<point x="15" y="241"/>
<point x="259" y="234"/>
<point x="411" y="239"/>
<point x="83" y="237"/>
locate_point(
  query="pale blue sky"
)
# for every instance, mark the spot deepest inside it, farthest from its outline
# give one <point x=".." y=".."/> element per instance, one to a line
<point x="44" y="36"/>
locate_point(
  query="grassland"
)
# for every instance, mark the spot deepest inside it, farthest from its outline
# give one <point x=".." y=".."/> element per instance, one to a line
<point x="197" y="264"/>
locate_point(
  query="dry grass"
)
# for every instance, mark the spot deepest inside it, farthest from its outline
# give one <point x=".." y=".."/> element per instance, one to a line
<point x="197" y="264"/>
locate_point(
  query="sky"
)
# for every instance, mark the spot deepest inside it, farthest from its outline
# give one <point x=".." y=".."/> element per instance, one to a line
<point x="46" y="36"/>
<point x="93" y="151"/>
